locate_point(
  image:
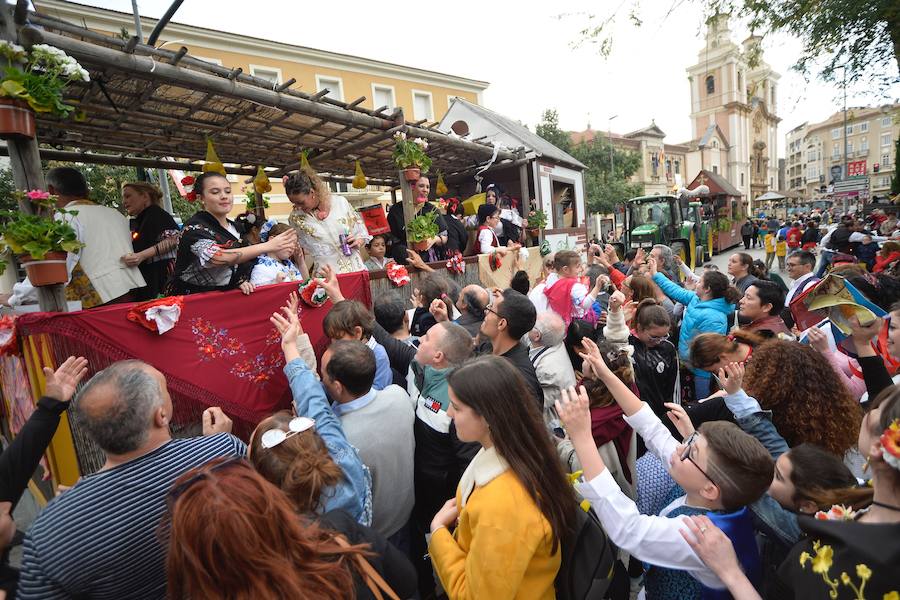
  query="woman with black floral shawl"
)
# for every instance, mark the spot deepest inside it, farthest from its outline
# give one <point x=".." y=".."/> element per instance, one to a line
<point x="211" y="254"/>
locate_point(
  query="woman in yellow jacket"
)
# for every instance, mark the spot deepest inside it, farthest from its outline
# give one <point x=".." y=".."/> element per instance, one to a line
<point x="513" y="504"/>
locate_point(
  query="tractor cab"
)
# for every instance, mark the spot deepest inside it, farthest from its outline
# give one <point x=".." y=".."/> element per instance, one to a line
<point x="675" y="221"/>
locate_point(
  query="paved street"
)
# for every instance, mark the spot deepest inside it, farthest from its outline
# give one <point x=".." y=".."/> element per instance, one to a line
<point x="721" y="260"/>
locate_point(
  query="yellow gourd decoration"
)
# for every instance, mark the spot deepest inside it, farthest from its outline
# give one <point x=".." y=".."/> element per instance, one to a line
<point x="213" y="164"/>
<point x="304" y="162"/>
<point x="441" y="188"/>
<point x="359" y="178"/>
<point x="261" y="182"/>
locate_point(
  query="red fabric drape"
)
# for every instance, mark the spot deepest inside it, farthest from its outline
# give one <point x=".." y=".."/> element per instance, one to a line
<point x="223" y="351"/>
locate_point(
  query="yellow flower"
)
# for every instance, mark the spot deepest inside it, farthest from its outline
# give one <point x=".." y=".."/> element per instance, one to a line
<point x="891" y="596"/>
<point x="822" y="561"/>
<point x="845" y="579"/>
<point x="804" y="557"/>
<point x="863" y="572"/>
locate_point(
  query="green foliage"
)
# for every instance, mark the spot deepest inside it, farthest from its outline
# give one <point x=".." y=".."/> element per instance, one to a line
<point x="549" y="129"/>
<point x="37" y="234"/>
<point x="251" y="201"/>
<point x="895" y="181"/>
<point x="423" y="227"/>
<point x="410" y="154"/>
<point x="42" y="80"/>
<point x="537" y="219"/>
<point x="863" y="34"/>
<point x="604" y="189"/>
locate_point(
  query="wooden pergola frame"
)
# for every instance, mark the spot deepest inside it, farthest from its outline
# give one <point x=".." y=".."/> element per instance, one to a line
<point x="155" y="108"/>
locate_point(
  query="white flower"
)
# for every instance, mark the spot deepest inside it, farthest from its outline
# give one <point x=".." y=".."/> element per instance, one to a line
<point x="421" y="143"/>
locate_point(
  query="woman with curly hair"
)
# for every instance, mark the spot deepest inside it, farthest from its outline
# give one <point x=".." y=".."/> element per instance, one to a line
<point x="809" y="401"/>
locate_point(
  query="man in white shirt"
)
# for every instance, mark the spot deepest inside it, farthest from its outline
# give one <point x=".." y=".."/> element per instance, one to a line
<point x="380" y="425"/>
<point x="102" y="276"/>
<point x="800" y="265"/>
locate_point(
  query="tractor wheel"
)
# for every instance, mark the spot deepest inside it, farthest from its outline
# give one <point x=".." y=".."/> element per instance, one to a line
<point x="700" y="253"/>
<point x="682" y="249"/>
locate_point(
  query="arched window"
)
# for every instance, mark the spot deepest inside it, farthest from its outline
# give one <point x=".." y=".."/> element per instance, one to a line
<point x="710" y="84"/>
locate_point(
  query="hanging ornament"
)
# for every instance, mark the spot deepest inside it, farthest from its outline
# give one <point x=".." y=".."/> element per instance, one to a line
<point x="261" y="182"/>
<point x="359" y="178"/>
<point x="495" y="261"/>
<point x="440" y="188"/>
<point x="304" y="161"/>
<point x="457" y="264"/>
<point x="213" y="164"/>
<point x="545" y="248"/>
<point x="398" y="274"/>
<point x="158" y="316"/>
<point x="312" y="293"/>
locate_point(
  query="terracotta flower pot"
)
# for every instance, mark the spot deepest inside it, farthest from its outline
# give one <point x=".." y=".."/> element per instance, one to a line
<point x="420" y="246"/>
<point x="50" y="271"/>
<point x="412" y="174"/>
<point x="16" y="119"/>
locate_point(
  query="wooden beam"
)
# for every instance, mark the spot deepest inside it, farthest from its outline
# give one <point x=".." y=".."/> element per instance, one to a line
<point x="286" y="85"/>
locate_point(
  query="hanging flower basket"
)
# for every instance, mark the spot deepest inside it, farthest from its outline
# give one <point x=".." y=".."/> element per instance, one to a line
<point x="412" y="175"/>
<point x="16" y="119"/>
<point x="49" y="271"/>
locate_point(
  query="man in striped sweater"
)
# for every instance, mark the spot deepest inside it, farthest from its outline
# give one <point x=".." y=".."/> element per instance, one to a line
<point x="101" y="539"/>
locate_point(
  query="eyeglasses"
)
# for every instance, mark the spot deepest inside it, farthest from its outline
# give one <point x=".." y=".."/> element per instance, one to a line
<point x="657" y="338"/>
<point x="273" y="437"/>
<point x="182" y="487"/>
<point x="491" y="310"/>
<point x="686" y="455"/>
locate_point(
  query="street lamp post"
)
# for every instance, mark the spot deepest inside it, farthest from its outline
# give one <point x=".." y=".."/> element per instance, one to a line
<point x="846" y="158"/>
<point x="609" y="139"/>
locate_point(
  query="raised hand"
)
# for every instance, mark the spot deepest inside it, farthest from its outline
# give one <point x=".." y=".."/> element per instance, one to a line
<point x="574" y="411"/>
<point x="610" y="253"/>
<point x="330" y="283"/>
<point x="283" y="241"/>
<point x="616" y="301"/>
<point x="592" y="355"/>
<point x="61" y="383"/>
<point x="732" y="377"/>
<point x="288" y="325"/>
<point x="680" y="419"/>
<point x="651" y="266"/>
<point x="438" y="309"/>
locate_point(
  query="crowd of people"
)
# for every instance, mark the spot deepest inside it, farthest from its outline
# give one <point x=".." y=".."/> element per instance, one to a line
<point x="451" y="448"/>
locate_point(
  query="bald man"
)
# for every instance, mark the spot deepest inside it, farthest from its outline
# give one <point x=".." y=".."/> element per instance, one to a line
<point x="100" y="538"/>
<point x="473" y="299"/>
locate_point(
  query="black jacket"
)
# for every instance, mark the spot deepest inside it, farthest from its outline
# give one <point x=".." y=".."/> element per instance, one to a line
<point x="518" y="356"/>
<point x="393" y="566"/>
<point x="18" y="463"/>
<point x="457" y="236"/>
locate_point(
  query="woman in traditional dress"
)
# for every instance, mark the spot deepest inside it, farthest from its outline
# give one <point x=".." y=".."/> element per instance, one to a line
<point x="330" y="231"/>
<point x="154" y="237"/>
<point x="211" y="254"/>
<point x="397" y="221"/>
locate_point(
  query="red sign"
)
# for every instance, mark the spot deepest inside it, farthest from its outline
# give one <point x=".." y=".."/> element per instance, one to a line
<point x="856" y="168"/>
<point x="375" y="219"/>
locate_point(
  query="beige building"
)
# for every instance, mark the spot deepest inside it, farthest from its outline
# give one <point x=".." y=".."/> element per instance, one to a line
<point x="795" y="161"/>
<point x="734" y="118"/>
<point x="871" y="136"/>
<point x="422" y="94"/>
<point x="662" y="165"/>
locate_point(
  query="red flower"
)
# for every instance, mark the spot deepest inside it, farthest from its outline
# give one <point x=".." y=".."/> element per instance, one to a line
<point x="191" y="196"/>
<point x="187" y="180"/>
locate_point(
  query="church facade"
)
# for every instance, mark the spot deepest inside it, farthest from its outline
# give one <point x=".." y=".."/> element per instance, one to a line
<point x="734" y="120"/>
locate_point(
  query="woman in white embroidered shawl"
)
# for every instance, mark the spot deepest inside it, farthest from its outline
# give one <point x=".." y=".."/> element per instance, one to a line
<point x="513" y="504"/>
<point x="330" y="231"/>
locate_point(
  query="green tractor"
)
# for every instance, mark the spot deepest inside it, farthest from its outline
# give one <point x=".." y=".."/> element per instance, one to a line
<point x="675" y="221"/>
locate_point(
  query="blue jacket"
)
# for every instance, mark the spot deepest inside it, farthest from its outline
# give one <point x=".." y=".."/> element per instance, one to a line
<point x="354" y="492"/>
<point x="700" y="316"/>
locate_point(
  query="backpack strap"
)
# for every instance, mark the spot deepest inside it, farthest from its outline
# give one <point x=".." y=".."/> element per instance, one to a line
<point x="374" y="581"/>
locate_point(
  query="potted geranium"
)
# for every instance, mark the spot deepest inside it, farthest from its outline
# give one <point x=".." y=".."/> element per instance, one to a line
<point x="421" y="229"/>
<point x="34" y="81"/>
<point x="40" y="240"/>
<point x="410" y="156"/>
<point x="537" y="220"/>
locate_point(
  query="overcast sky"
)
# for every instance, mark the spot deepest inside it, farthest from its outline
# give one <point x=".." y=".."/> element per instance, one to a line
<point x="525" y="51"/>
